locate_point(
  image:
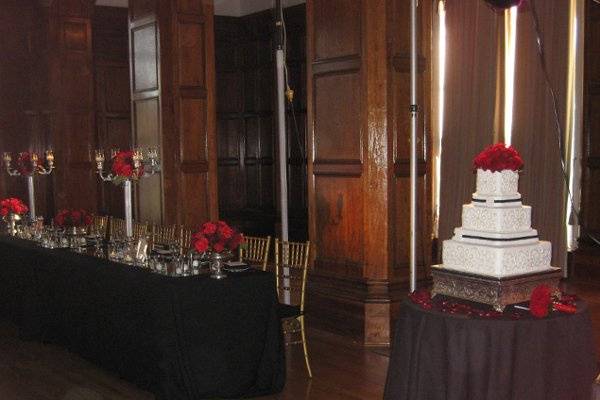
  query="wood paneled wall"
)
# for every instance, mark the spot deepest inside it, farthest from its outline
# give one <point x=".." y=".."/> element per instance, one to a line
<point x="71" y="102"/>
<point x="16" y="68"/>
<point x="246" y="122"/>
<point x="586" y="259"/>
<point x="172" y="86"/>
<point x="111" y="76"/>
<point x="358" y="127"/>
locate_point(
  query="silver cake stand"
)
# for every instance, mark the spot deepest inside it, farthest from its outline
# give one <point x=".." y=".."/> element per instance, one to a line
<point x="497" y="292"/>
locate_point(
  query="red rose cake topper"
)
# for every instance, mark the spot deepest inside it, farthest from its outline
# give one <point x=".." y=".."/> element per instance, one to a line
<point x="12" y="205"/>
<point x="73" y="218"/>
<point x="216" y="236"/>
<point x="498" y="157"/>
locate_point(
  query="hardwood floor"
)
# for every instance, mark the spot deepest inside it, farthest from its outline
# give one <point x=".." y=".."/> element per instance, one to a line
<point x="342" y="369"/>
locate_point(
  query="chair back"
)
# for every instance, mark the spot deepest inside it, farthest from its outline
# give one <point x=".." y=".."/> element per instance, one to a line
<point x="255" y="251"/>
<point x="117" y="228"/>
<point x="100" y="224"/>
<point x="140" y="230"/>
<point x="291" y="266"/>
<point x="163" y="235"/>
<point x="184" y="240"/>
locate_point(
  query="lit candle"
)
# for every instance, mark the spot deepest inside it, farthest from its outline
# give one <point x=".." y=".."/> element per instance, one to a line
<point x="99" y="156"/>
<point x="7" y="158"/>
<point x="50" y="156"/>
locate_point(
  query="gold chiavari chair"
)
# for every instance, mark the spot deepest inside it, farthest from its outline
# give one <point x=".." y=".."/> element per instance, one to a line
<point x="117" y="228"/>
<point x="163" y="235"/>
<point x="184" y="240"/>
<point x="255" y="251"/>
<point x="100" y="225"/>
<point x="140" y="230"/>
<point x="291" y="266"/>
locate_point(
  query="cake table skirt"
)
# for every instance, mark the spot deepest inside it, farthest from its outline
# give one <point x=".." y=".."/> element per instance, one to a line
<point x="439" y="356"/>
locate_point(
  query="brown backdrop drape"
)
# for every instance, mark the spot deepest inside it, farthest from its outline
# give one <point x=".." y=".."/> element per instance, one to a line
<point x="470" y="91"/>
<point x="534" y="129"/>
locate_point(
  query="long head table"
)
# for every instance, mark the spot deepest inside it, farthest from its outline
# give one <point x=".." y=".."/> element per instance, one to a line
<point x="179" y="337"/>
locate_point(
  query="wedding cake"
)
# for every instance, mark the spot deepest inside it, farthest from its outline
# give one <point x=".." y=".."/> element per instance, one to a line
<point x="496" y="238"/>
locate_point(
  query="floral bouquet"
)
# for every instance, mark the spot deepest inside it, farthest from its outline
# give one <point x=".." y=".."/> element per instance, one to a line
<point x="216" y="236"/>
<point x="123" y="167"/>
<point x="72" y="218"/>
<point x="24" y="165"/>
<point x="498" y="157"/>
<point x="12" y="206"/>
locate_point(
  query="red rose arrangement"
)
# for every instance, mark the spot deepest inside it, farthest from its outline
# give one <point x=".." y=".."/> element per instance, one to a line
<point x="216" y="236"/>
<point x="541" y="303"/>
<point x="123" y="168"/>
<point x="12" y="205"/>
<point x="24" y="165"/>
<point x="498" y="157"/>
<point x="72" y="218"/>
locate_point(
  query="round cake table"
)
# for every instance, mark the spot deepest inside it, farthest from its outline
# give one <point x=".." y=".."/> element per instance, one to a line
<point x="444" y="356"/>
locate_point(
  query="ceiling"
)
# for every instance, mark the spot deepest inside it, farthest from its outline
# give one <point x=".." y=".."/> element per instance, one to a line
<point x="233" y="8"/>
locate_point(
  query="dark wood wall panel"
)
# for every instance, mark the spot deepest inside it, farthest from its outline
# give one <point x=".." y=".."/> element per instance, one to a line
<point x="591" y="154"/>
<point x="338" y="207"/>
<point x="339" y="24"/>
<point x="338" y="129"/>
<point x="246" y="133"/>
<point x="173" y="96"/>
<point x="71" y="97"/>
<point x="585" y="261"/>
<point x="111" y="75"/>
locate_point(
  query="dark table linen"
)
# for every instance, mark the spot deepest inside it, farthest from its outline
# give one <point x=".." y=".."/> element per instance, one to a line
<point x="181" y="338"/>
<point x="440" y="356"/>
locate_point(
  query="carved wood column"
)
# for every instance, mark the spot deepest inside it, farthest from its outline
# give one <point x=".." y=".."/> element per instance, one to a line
<point x="172" y="92"/>
<point x="354" y="135"/>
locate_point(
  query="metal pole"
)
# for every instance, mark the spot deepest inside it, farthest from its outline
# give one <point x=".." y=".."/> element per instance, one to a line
<point x="31" y="193"/>
<point x="128" y="213"/>
<point x="413" y="145"/>
<point x="282" y="146"/>
<point x="283" y="194"/>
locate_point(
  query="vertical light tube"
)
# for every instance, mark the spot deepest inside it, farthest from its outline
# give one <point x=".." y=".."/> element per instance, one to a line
<point x="31" y="193"/>
<point x="128" y="209"/>
<point x="574" y="121"/>
<point x="440" y="84"/>
<point x="510" y="46"/>
<point x="413" y="145"/>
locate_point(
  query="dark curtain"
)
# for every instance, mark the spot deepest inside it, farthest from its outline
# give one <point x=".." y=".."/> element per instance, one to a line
<point x="470" y="97"/>
<point x="534" y="128"/>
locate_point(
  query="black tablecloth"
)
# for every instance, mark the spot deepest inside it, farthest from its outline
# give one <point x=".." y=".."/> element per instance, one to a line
<point x="443" y="356"/>
<point x="181" y="338"/>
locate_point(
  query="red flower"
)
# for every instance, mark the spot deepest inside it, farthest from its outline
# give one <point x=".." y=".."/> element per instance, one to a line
<point x="201" y="245"/>
<point x="123" y="165"/>
<point x="12" y="205"/>
<point x="219" y="247"/>
<point x="208" y="228"/>
<point x="541" y="301"/>
<point x="24" y="165"/>
<point x="71" y="218"/>
<point x="216" y="236"/>
<point x="498" y="157"/>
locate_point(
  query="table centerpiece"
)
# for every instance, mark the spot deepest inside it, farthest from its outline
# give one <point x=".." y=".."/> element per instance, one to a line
<point x="217" y="240"/>
<point x="11" y="210"/>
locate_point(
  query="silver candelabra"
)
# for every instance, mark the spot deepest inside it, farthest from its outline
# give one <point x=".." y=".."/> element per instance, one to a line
<point x="29" y="165"/>
<point x="144" y="163"/>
